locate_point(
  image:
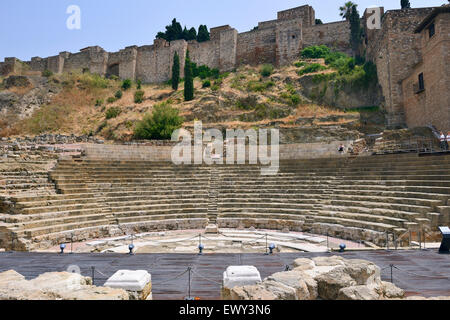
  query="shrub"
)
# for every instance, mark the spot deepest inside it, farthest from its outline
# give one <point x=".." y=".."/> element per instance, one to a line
<point x="101" y="127"/>
<point x="126" y="84"/>
<point x="114" y="77"/>
<point x="259" y="86"/>
<point x="159" y="125"/>
<point x="47" y="73"/>
<point x="315" y="52"/>
<point x="300" y="64"/>
<point x="206" y="84"/>
<point x="118" y="94"/>
<point x="139" y="96"/>
<point x="98" y="102"/>
<point x="111" y="100"/>
<point x="314" y="67"/>
<point x="215" y="87"/>
<point x="266" y="70"/>
<point x="93" y="81"/>
<point x="139" y="84"/>
<point x="247" y="103"/>
<point x="48" y="118"/>
<point x="112" y="113"/>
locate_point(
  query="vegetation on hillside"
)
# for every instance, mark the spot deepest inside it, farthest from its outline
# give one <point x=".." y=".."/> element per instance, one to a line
<point x="188" y="80"/>
<point x="159" y="125"/>
<point x="344" y="69"/>
<point x="176" y="71"/>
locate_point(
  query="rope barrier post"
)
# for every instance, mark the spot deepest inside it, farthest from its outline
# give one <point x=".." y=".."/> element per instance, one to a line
<point x="392" y="273"/>
<point x="71" y="243"/>
<point x="93" y="275"/>
<point x="189" y="284"/>
<point x="12" y="242"/>
<point x="267" y="247"/>
<point x="409" y="239"/>
<point x="424" y="240"/>
<point x="387" y="241"/>
<point x="420" y="240"/>
<point x="328" y="242"/>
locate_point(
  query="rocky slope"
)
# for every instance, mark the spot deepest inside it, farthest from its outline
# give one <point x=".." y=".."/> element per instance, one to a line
<point x="78" y="104"/>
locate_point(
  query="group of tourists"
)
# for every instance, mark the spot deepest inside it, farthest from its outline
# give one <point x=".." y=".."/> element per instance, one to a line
<point x="445" y="141"/>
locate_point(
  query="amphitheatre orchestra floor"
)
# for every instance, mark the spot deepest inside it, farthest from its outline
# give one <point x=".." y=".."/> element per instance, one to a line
<point x="425" y="272"/>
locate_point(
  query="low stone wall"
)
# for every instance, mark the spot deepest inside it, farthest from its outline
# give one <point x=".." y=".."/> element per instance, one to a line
<point x="163" y="152"/>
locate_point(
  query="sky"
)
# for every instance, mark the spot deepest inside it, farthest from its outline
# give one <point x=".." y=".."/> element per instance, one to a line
<point x="30" y="28"/>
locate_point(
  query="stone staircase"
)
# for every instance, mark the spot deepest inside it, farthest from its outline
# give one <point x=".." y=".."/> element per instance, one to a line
<point x="361" y="198"/>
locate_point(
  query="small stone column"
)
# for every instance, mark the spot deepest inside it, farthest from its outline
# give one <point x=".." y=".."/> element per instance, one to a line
<point x="138" y="283"/>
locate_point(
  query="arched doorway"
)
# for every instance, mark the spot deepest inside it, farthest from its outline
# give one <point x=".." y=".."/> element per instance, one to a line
<point x="113" y="70"/>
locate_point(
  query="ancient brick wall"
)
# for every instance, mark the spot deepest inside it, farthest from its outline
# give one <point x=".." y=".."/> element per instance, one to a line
<point x="256" y="47"/>
<point x="305" y="13"/>
<point x="289" y="41"/>
<point x="154" y="63"/>
<point x="431" y="106"/>
<point x="205" y="53"/>
<point x="335" y="35"/>
<point x="38" y="64"/>
<point x="396" y="51"/>
<point x="228" y="49"/>
<point x="8" y="66"/>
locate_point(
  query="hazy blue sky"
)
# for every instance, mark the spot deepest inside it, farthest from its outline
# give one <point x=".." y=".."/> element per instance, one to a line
<point x="31" y="28"/>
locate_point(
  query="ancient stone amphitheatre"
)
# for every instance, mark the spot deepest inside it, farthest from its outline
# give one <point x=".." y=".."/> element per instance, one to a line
<point x="93" y="205"/>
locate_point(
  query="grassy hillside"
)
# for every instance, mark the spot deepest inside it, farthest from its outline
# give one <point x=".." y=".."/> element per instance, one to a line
<point x="262" y="96"/>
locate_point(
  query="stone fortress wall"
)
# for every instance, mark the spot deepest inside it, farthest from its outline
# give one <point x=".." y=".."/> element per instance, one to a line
<point x="395" y="50"/>
<point x="277" y="41"/>
<point x="398" y="51"/>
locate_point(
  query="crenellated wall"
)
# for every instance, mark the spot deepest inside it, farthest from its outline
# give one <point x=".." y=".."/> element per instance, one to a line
<point x="278" y="42"/>
<point x="334" y="35"/>
<point x="396" y="49"/>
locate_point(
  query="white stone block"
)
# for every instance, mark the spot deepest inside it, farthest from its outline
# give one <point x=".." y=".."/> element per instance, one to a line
<point x="240" y="276"/>
<point x="129" y="280"/>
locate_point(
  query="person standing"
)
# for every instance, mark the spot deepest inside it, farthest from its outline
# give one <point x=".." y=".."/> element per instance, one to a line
<point x="448" y="141"/>
<point x="443" y="140"/>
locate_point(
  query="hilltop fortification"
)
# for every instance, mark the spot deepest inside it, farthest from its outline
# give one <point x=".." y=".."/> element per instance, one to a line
<point x="277" y="42"/>
<point x="410" y="52"/>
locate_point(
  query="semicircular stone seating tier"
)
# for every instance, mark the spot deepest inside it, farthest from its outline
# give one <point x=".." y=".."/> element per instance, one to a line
<point x="361" y="199"/>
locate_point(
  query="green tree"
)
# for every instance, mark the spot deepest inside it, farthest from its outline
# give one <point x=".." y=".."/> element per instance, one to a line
<point x="355" y="29"/>
<point x="159" y="125"/>
<point x="174" y="31"/>
<point x="203" y="33"/>
<point x="405" y="4"/>
<point x="188" y="79"/>
<point x="176" y="71"/>
<point x="346" y="10"/>
<point x="318" y="21"/>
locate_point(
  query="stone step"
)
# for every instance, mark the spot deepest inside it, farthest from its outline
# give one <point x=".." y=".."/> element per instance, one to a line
<point x="150" y="210"/>
<point x="146" y="218"/>
<point x="33" y="224"/>
<point x="31" y="233"/>
<point x="71" y="207"/>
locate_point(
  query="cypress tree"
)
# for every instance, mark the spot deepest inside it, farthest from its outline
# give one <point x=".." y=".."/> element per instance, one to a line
<point x="188" y="79"/>
<point x="405" y="4"/>
<point x="355" y="29"/>
<point x="203" y="33"/>
<point x="176" y="71"/>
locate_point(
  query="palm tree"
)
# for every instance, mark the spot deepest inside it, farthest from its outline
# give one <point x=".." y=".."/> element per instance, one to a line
<point x="346" y="10"/>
